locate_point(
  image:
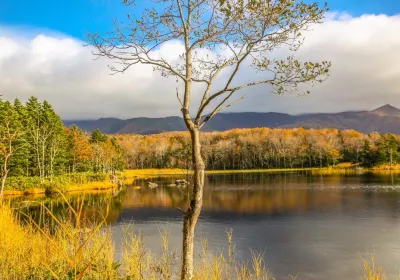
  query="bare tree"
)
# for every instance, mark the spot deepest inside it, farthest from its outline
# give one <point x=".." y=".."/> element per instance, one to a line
<point x="219" y="38"/>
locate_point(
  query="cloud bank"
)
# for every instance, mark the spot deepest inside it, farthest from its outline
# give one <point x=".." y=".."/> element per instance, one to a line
<point x="365" y="53"/>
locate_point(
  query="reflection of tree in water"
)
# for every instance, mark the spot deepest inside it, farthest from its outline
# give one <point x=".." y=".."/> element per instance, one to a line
<point x="94" y="206"/>
<point x="269" y="193"/>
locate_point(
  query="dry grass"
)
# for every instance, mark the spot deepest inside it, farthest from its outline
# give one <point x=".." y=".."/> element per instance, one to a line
<point x="67" y="250"/>
<point x="258" y="170"/>
<point x="345" y="165"/>
<point x="371" y="271"/>
<point x="394" y="167"/>
<point x="149" y="173"/>
<point x="72" y="249"/>
<point x="84" y="187"/>
<point x="153" y="172"/>
<point x="105" y="185"/>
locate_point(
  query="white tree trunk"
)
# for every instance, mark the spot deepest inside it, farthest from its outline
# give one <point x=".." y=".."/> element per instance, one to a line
<point x="193" y="212"/>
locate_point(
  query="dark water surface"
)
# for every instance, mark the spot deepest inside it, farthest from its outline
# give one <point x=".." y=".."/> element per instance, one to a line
<point x="316" y="227"/>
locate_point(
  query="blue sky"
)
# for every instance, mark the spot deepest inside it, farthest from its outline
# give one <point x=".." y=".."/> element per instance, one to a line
<point x="36" y="60"/>
<point x="74" y="17"/>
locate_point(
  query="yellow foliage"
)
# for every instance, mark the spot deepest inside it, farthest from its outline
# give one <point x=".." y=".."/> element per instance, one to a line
<point x="151" y="172"/>
<point x="85" y="187"/>
<point x="75" y="250"/>
<point x="373" y="272"/>
<point x="387" y="167"/>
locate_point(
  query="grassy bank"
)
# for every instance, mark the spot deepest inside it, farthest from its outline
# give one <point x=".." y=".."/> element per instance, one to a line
<point x="73" y="249"/>
<point x="152" y="172"/>
<point x="78" y="182"/>
<point x="16" y="186"/>
<point x="338" y="169"/>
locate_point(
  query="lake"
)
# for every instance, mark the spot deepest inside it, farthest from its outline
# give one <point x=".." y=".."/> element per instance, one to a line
<point x="309" y="226"/>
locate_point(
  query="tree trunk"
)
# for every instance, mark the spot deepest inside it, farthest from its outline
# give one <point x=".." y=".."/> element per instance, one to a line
<point x="51" y="169"/>
<point x="3" y="183"/>
<point x="193" y="212"/>
<point x="4" y="175"/>
<point x="43" y="161"/>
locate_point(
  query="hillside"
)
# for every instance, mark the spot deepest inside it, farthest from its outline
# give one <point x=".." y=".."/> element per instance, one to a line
<point x="383" y="120"/>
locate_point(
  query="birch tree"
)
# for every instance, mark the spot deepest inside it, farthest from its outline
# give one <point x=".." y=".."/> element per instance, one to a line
<point x="54" y="140"/>
<point x="220" y="38"/>
<point x="10" y="132"/>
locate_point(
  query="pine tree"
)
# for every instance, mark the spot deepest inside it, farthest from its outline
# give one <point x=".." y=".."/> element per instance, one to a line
<point x="98" y="137"/>
<point x="10" y="132"/>
<point x="55" y="153"/>
<point x="367" y="155"/>
<point x="388" y="149"/>
<point x="19" y="163"/>
<point x="36" y="135"/>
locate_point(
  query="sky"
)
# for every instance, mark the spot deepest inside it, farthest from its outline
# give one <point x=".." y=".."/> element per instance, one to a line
<point x="42" y="53"/>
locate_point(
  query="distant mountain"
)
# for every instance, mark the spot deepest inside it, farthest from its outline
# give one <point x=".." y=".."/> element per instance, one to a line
<point x="387" y="110"/>
<point x="383" y="119"/>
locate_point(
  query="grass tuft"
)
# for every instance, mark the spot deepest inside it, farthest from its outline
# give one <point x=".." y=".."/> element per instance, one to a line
<point x="73" y="249"/>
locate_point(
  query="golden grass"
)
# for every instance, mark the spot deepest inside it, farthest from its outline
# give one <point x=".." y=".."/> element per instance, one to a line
<point x="13" y="193"/>
<point x="72" y="249"/>
<point x="394" y="167"/>
<point x="345" y="165"/>
<point x="150" y="173"/>
<point x="259" y="170"/>
<point x="129" y="176"/>
<point x="342" y="168"/>
<point x="153" y="172"/>
<point x="371" y="271"/>
<point x="35" y="191"/>
<point x="70" y="188"/>
<point x="31" y="191"/>
<point x="338" y="171"/>
<point x="106" y="185"/>
<point x="31" y="252"/>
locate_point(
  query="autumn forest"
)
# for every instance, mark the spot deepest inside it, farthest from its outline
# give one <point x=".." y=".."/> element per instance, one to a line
<point x="35" y="143"/>
<point x="262" y="148"/>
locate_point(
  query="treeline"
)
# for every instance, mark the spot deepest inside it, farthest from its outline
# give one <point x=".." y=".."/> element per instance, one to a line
<point x="35" y="143"/>
<point x="262" y="148"/>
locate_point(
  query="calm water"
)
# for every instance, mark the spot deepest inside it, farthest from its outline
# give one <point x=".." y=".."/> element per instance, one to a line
<point x="316" y="227"/>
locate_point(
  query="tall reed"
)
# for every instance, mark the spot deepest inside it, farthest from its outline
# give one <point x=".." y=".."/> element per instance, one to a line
<point x="72" y="248"/>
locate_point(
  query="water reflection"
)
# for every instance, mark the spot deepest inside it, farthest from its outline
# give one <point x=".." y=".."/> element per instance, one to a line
<point x="275" y="193"/>
<point x="317" y="227"/>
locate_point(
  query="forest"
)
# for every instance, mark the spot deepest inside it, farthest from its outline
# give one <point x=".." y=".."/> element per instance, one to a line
<point x="36" y="144"/>
<point x="262" y="148"/>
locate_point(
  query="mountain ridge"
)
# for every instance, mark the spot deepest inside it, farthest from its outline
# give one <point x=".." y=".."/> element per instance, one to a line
<point x="385" y="119"/>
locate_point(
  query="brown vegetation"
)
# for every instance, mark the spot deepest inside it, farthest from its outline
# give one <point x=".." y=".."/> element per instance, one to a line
<point x="262" y="148"/>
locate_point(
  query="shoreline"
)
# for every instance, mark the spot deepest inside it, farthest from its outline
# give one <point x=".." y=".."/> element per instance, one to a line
<point x="153" y="172"/>
<point x="129" y="177"/>
<point x="87" y="187"/>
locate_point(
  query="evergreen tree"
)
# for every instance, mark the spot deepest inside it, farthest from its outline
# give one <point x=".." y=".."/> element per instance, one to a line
<point x="98" y="137"/>
<point x="118" y="158"/>
<point x="36" y="136"/>
<point x="19" y="163"/>
<point x="10" y="133"/>
<point x="55" y="153"/>
<point x="388" y="149"/>
<point x="368" y="156"/>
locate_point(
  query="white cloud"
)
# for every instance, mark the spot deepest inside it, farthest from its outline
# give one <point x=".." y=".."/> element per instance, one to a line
<point x="364" y="52"/>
